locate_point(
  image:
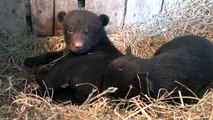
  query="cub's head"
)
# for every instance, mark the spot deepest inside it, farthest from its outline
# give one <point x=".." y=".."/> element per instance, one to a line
<point x="82" y="29"/>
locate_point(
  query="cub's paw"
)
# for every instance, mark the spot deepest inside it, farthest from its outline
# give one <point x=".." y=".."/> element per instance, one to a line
<point x="32" y="62"/>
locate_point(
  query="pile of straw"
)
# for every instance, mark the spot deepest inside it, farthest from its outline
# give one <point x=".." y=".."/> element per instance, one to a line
<point x="17" y="82"/>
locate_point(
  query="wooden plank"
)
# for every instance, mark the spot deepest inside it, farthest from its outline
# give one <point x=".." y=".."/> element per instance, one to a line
<point x="113" y="8"/>
<point x="12" y="16"/>
<point x="42" y="16"/>
<point x="63" y="5"/>
<point x="141" y="10"/>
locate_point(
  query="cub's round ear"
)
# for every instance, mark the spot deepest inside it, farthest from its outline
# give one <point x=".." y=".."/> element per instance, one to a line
<point x="60" y="16"/>
<point x="129" y="50"/>
<point x="104" y="19"/>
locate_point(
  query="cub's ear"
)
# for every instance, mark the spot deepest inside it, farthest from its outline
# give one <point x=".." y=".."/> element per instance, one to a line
<point x="104" y="19"/>
<point x="129" y="50"/>
<point x="60" y="16"/>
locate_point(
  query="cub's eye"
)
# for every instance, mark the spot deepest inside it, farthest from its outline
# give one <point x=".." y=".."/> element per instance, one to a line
<point x="70" y="31"/>
<point x="89" y="32"/>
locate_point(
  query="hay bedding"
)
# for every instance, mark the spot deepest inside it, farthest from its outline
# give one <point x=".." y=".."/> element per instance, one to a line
<point x="16" y="101"/>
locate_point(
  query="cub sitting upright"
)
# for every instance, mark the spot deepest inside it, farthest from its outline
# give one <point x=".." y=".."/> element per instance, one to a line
<point x="84" y="33"/>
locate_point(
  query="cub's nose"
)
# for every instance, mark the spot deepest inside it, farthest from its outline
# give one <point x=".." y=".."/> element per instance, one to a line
<point x="78" y="46"/>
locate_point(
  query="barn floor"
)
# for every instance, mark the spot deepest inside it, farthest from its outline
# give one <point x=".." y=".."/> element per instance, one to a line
<point x="16" y="81"/>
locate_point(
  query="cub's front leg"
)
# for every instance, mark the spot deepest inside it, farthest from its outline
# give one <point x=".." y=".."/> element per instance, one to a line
<point x="42" y="59"/>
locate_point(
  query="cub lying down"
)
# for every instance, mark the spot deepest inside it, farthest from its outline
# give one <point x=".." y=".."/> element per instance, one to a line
<point x="184" y="64"/>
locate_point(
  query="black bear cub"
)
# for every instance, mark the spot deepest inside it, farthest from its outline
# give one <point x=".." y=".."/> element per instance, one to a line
<point x="184" y="64"/>
<point x="83" y="32"/>
<point x="80" y="70"/>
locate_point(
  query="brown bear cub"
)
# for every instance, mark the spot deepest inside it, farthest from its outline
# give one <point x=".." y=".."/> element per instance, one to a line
<point x="184" y="64"/>
<point x="90" y="51"/>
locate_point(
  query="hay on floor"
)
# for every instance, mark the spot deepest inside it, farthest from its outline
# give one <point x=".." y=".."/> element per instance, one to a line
<point x="16" y="81"/>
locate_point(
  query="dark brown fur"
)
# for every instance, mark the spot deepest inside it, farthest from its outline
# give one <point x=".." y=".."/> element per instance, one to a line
<point x="84" y="33"/>
<point x="90" y="53"/>
<point x="184" y="63"/>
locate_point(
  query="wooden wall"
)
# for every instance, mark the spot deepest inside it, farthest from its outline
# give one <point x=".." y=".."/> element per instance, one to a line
<point x="12" y="16"/>
<point x="115" y="10"/>
<point x="44" y="12"/>
<point x="42" y="16"/>
<point x="141" y="10"/>
<point x="121" y="12"/>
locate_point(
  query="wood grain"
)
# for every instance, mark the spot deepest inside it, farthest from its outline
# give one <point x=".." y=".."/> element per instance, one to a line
<point x="141" y="10"/>
<point x="12" y="17"/>
<point x="42" y="17"/>
<point x="113" y="8"/>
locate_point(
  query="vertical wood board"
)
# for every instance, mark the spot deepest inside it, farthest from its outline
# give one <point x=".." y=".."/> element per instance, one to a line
<point x="141" y="10"/>
<point x="113" y="8"/>
<point x="12" y="16"/>
<point x="42" y="16"/>
<point x="63" y="5"/>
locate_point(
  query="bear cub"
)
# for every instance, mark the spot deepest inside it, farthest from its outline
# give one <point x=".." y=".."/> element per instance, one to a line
<point x="80" y="70"/>
<point x="184" y="64"/>
<point x="83" y="32"/>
